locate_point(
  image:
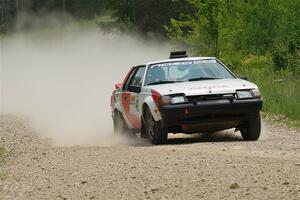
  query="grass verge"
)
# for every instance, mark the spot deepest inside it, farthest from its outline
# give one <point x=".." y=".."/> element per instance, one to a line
<point x="280" y="89"/>
<point x="281" y="119"/>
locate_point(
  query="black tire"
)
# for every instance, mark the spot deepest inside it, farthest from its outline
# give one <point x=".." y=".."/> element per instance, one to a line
<point x="144" y="134"/>
<point x="155" y="132"/>
<point x="251" y="129"/>
<point x="120" y="127"/>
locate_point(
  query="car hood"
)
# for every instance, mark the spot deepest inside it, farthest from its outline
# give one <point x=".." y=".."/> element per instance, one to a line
<point x="204" y="87"/>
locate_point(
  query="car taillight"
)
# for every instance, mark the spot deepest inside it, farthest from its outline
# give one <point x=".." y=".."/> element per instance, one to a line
<point x="156" y="97"/>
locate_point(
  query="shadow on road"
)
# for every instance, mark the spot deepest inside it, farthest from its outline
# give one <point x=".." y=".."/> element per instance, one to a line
<point x="201" y="138"/>
<point x="178" y="139"/>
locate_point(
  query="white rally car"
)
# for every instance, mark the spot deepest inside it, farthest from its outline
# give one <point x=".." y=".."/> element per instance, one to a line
<point x="185" y="95"/>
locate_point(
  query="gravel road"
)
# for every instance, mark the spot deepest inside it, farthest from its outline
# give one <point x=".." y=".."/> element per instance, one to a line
<point x="218" y="166"/>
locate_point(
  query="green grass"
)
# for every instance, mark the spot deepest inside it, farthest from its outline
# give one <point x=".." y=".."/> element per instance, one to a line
<point x="281" y="119"/>
<point x="280" y="89"/>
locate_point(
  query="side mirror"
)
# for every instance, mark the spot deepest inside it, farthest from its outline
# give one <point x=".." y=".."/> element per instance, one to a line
<point x="118" y="86"/>
<point x="244" y="78"/>
<point x="135" y="89"/>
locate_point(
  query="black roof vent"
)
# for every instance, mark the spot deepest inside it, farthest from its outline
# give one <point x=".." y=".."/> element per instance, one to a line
<point x="178" y="54"/>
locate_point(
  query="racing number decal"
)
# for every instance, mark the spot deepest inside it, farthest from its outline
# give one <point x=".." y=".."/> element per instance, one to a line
<point x="132" y="118"/>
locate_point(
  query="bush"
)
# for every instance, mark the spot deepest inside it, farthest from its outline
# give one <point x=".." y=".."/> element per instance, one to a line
<point x="286" y="56"/>
<point x="254" y="61"/>
<point x="280" y="88"/>
<point x="233" y="61"/>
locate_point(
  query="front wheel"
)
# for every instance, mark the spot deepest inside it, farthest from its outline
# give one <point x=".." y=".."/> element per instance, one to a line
<point x="251" y="129"/>
<point x="144" y="134"/>
<point x="154" y="130"/>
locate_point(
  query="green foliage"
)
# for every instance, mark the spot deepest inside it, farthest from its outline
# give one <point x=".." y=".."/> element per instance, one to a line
<point x="257" y="25"/>
<point x="146" y="16"/>
<point x="11" y="10"/>
<point x="199" y="27"/>
<point x="286" y="56"/>
<point x="280" y="89"/>
<point x="82" y="9"/>
<point x="227" y="28"/>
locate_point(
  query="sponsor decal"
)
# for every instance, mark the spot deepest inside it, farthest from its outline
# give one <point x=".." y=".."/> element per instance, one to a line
<point x="209" y="61"/>
<point x="210" y="88"/>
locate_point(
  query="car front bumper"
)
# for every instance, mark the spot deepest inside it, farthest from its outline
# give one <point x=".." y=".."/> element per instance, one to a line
<point x="210" y="112"/>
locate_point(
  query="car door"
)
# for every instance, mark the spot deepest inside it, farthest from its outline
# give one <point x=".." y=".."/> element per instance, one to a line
<point x="130" y="97"/>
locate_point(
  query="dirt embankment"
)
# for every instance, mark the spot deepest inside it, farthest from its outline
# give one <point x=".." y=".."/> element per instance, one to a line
<point x="218" y="166"/>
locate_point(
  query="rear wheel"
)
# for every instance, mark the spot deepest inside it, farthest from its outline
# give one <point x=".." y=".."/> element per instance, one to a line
<point x="251" y="129"/>
<point x="154" y="130"/>
<point x="119" y="124"/>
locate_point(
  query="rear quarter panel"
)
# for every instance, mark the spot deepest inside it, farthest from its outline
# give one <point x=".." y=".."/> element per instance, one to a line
<point x="116" y="102"/>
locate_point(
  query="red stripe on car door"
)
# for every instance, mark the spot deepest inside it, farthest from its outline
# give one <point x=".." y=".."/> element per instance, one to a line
<point x="133" y="119"/>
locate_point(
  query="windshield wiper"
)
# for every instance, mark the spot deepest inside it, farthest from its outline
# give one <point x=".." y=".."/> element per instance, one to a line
<point x="204" y="78"/>
<point x="164" y="82"/>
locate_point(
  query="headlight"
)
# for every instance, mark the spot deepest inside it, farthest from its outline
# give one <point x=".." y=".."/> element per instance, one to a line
<point x="244" y="94"/>
<point x="165" y="100"/>
<point x="256" y="93"/>
<point x="178" y="99"/>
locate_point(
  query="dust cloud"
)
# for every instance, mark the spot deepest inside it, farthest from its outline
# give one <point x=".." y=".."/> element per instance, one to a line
<point x="61" y="81"/>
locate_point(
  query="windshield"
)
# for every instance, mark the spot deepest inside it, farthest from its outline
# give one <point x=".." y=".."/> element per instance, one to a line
<point x="184" y="71"/>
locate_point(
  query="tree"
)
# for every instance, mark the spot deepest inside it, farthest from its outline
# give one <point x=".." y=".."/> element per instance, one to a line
<point x="231" y="29"/>
<point x="201" y="28"/>
<point x="146" y="16"/>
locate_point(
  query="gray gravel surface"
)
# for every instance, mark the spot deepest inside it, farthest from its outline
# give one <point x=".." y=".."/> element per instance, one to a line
<point x="216" y="166"/>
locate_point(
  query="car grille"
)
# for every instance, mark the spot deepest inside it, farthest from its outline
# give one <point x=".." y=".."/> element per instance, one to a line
<point x="198" y="98"/>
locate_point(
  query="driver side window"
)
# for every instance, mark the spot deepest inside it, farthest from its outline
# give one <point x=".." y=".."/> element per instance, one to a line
<point x="126" y="85"/>
<point x="137" y="79"/>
